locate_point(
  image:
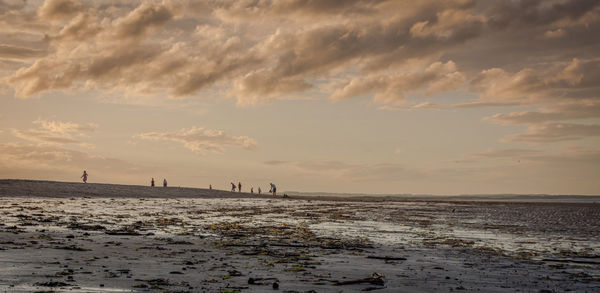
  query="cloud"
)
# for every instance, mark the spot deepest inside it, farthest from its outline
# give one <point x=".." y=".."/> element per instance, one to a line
<point x="93" y="51"/>
<point x="197" y="78"/>
<point x="11" y="52"/>
<point x="11" y="5"/>
<point x="40" y="77"/>
<point x="184" y="48"/>
<point x="505" y="153"/>
<point x="276" y="162"/>
<point x="56" y="133"/>
<point x="578" y="155"/>
<point x="115" y="66"/>
<point x="275" y="65"/>
<point x="554" y="132"/>
<point x="391" y="89"/>
<point x="65" y="127"/>
<point x="537" y="13"/>
<point x="428" y="105"/>
<point x="570" y="155"/>
<point x="542" y="126"/>
<point x="59" y="9"/>
<point x="534" y="86"/>
<point x="141" y="19"/>
<point x="450" y="23"/>
<point x="557" y="112"/>
<point x="555" y="33"/>
<point x="262" y="86"/>
<point x="239" y="11"/>
<point x="80" y="28"/>
<point x="202" y="141"/>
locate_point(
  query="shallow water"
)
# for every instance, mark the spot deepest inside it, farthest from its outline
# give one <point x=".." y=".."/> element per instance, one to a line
<point x="537" y="229"/>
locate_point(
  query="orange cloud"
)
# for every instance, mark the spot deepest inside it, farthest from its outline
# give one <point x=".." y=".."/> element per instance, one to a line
<point x="56" y="133"/>
<point x="553" y="132"/>
<point x="202" y="141"/>
<point x="557" y="112"/>
<point x="59" y="9"/>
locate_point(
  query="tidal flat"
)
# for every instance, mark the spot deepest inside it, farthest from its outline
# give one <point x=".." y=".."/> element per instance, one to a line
<point x="66" y="237"/>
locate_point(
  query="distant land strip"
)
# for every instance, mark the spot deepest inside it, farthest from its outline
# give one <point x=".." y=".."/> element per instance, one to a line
<point x="41" y="188"/>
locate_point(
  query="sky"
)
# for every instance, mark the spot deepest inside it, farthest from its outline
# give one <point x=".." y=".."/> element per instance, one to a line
<point x="360" y="96"/>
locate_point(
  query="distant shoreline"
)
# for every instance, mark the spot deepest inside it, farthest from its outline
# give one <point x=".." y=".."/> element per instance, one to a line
<point x="46" y="188"/>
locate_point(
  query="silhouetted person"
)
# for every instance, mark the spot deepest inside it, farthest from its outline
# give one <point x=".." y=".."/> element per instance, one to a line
<point x="84" y="176"/>
<point x="259" y="191"/>
<point x="152" y="182"/>
<point x="273" y="189"/>
<point x="210" y="186"/>
<point x="239" y="186"/>
<point x="232" y="187"/>
<point x="164" y="182"/>
<point x="251" y="189"/>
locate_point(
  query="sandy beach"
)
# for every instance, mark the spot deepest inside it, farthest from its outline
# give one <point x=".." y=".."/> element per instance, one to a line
<point x="73" y="237"/>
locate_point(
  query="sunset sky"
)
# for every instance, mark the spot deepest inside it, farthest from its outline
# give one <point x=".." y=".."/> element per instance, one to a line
<point x="365" y="96"/>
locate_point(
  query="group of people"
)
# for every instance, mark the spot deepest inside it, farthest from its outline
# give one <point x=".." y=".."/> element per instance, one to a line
<point x="233" y="186"/>
<point x="239" y="188"/>
<point x="164" y="182"/>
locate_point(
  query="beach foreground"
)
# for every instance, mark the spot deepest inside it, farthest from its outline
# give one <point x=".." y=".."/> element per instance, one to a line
<point x="115" y="238"/>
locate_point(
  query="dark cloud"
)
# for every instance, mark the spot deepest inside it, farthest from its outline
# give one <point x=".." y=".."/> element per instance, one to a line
<point x="113" y="63"/>
<point x="538" y="12"/>
<point x="211" y="72"/>
<point x="292" y="10"/>
<point x="22" y="21"/>
<point x="11" y="5"/>
<point x="12" y="52"/>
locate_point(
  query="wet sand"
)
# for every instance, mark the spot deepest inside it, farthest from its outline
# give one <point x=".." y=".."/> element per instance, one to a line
<point x="115" y="238"/>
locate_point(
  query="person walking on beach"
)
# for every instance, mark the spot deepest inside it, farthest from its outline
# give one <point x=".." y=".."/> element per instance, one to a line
<point x="273" y="189"/>
<point x="165" y="182"/>
<point x="210" y="186"/>
<point x="239" y="186"/>
<point x="252" y="189"/>
<point x="84" y="176"/>
<point x="259" y="191"/>
<point x="232" y="187"/>
<point x="152" y="182"/>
